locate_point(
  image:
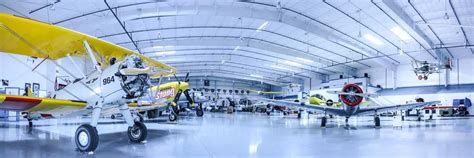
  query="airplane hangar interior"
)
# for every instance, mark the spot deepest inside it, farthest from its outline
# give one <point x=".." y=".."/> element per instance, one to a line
<point x="236" y="78"/>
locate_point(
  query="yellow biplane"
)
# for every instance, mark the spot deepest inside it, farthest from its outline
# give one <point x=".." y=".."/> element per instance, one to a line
<point x="120" y="77"/>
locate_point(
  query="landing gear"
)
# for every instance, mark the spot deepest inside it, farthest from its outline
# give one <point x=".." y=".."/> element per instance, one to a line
<point x="87" y="138"/>
<point x="30" y="123"/>
<point x="173" y="116"/>
<point x="137" y="133"/>
<point x="299" y="114"/>
<point x="347" y="120"/>
<point x="418" y="115"/>
<point x="139" y="118"/>
<point x="323" y="121"/>
<point x="377" y="121"/>
<point x="268" y="111"/>
<point x="199" y="111"/>
<point x="174" y="113"/>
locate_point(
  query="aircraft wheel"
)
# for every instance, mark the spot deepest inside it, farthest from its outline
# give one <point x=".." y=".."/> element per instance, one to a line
<point x="285" y="113"/>
<point x="139" y="118"/>
<point x="403" y="118"/>
<point x="137" y="133"/>
<point x="173" y="116"/>
<point x="377" y="121"/>
<point x="425" y="78"/>
<point x="299" y="115"/>
<point x="112" y="116"/>
<point x="419" y="118"/>
<point x="331" y="116"/>
<point x="87" y="138"/>
<point x="199" y="113"/>
<point x="323" y="121"/>
<point x="268" y="113"/>
<point x="420" y="77"/>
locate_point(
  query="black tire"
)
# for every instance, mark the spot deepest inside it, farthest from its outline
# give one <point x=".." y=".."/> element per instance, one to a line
<point x="329" y="102"/>
<point x="137" y="133"/>
<point x="323" y="121"/>
<point x="299" y="115"/>
<point x="419" y="119"/>
<point x="199" y="113"/>
<point x="268" y="113"/>
<point x="112" y="116"/>
<point x="377" y="121"/>
<point x="160" y="113"/>
<point x="87" y="138"/>
<point x="173" y="116"/>
<point x="403" y="118"/>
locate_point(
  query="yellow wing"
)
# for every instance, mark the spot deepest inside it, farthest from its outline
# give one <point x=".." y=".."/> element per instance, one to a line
<point x="28" y="37"/>
<point x="35" y="104"/>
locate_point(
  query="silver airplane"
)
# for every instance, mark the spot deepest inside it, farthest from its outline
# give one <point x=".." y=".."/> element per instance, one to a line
<point x="351" y="97"/>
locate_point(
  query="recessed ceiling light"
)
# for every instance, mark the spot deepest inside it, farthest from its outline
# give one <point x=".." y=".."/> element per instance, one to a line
<point x="373" y="39"/>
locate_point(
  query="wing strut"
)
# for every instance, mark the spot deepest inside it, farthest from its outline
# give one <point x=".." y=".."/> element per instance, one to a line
<point x="91" y="55"/>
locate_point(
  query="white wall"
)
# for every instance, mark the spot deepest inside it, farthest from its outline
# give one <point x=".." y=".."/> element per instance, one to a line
<point x="17" y="70"/>
<point x="405" y="77"/>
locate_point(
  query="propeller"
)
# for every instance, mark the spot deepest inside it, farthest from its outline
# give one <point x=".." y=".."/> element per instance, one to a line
<point x="356" y="94"/>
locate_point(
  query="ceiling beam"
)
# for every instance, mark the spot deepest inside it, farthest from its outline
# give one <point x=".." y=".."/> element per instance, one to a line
<point x="233" y="41"/>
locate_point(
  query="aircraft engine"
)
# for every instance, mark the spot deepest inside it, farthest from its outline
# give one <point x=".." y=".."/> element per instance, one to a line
<point x="351" y="100"/>
<point x="137" y="84"/>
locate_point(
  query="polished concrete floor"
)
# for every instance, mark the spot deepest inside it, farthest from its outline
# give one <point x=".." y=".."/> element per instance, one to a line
<point x="247" y="135"/>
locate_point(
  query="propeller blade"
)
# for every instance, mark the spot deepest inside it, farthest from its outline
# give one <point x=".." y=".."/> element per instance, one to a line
<point x="186" y="93"/>
<point x="176" y="78"/>
<point x="186" y="78"/>
<point x="176" y="97"/>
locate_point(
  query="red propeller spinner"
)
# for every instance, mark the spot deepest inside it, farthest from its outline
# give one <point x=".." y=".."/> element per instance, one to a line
<point x="351" y="100"/>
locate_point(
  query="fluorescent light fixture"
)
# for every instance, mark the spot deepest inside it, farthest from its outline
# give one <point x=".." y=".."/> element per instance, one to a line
<point x="165" y="52"/>
<point x="257" y="76"/>
<point x="400" y="51"/>
<point x="236" y="48"/>
<point x="305" y="60"/>
<point x="283" y="68"/>
<point x="262" y="26"/>
<point x="373" y="39"/>
<point x="292" y="63"/>
<point x="400" y="33"/>
<point x="162" y="47"/>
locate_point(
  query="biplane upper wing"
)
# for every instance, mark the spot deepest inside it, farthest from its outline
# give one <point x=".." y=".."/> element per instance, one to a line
<point x="28" y="37"/>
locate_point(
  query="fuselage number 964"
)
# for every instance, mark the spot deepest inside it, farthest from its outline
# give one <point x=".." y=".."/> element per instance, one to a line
<point x="108" y="80"/>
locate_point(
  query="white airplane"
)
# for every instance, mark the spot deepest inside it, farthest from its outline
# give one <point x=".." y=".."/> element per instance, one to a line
<point x="351" y="97"/>
<point x="120" y="76"/>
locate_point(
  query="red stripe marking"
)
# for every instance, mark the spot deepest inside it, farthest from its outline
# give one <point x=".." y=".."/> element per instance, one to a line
<point x="19" y="103"/>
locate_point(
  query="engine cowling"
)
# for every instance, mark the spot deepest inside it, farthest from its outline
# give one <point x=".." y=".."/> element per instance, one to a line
<point x="351" y="100"/>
